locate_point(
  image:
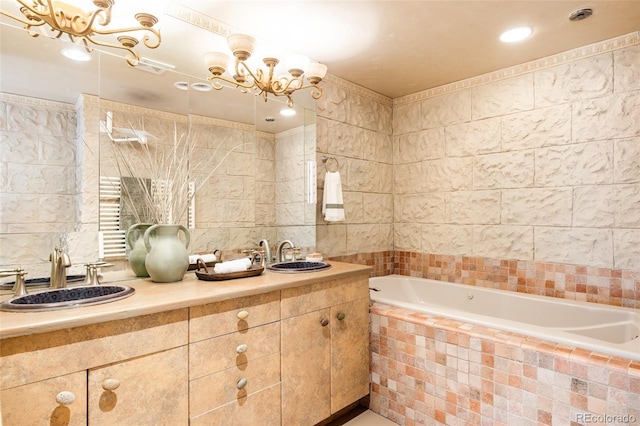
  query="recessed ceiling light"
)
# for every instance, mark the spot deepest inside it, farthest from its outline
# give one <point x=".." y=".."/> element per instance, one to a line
<point x="181" y="85"/>
<point x="76" y="54"/>
<point x="288" y="112"/>
<point x="516" y="34"/>
<point x="201" y="87"/>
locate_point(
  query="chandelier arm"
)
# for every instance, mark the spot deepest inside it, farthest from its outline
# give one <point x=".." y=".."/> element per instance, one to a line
<point x="27" y="22"/>
<point x="48" y="12"/>
<point x="228" y="80"/>
<point x="248" y="71"/>
<point x="278" y="87"/>
<point x="131" y="61"/>
<point x="145" y="39"/>
<point x="90" y="19"/>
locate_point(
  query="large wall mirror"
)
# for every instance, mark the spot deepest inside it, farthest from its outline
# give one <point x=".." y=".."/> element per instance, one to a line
<point x="61" y="121"/>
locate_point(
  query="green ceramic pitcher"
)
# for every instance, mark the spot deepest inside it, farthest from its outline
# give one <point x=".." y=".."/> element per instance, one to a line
<point x="167" y="257"/>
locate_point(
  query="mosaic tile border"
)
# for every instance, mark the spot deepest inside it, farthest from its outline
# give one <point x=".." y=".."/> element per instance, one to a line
<point x="592" y="284"/>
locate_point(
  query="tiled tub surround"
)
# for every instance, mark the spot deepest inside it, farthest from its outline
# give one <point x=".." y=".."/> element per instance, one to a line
<point x="429" y="370"/>
<point x="611" y="330"/>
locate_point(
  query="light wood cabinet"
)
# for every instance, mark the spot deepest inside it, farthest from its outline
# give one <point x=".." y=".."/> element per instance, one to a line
<point x="294" y="356"/>
<point x="234" y="362"/>
<point x="47" y="402"/>
<point x="146" y="355"/>
<point x="325" y="349"/>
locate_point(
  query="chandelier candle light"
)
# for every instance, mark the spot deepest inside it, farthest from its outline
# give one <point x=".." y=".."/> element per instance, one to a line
<point x="64" y="18"/>
<point x="262" y="82"/>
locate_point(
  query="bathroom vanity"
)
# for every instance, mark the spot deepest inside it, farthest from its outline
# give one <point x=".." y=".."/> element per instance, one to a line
<point x="276" y="349"/>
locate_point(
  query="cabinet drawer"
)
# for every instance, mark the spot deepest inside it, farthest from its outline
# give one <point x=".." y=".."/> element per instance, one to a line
<point x="213" y="355"/>
<point x="150" y="390"/>
<point x="214" y="390"/>
<point x="300" y="300"/>
<point x="35" y="404"/>
<point x="32" y="358"/>
<point x="261" y="408"/>
<point x="216" y="319"/>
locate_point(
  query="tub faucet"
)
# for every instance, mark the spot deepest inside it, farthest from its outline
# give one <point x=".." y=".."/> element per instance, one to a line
<point x="280" y="250"/>
<point x="267" y="250"/>
<point x="59" y="263"/>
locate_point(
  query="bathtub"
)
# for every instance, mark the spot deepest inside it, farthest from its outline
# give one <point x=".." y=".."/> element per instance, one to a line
<point x="602" y="328"/>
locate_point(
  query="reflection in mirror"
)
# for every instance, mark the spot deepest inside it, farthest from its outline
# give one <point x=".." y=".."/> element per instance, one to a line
<point x="54" y="122"/>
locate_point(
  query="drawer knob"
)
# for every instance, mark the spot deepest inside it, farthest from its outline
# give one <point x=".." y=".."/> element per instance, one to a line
<point x="242" y="383"/>
<point x="65" y="398"/>
<point x="242" y="348"/>
<point x="243" y="315"/>
<point x="324" y="322"/>
<point x="110" y="384"/>
<point x="340" y="316"/>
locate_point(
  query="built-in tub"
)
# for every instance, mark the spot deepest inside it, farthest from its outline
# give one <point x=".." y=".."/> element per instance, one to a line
<point x="608" y="329"/>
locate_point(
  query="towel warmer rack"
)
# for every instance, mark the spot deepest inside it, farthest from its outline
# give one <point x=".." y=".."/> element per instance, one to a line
<point x="325" y="161"/>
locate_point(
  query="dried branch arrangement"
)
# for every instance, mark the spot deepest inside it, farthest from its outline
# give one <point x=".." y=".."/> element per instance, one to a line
<point x="162" y="174"/>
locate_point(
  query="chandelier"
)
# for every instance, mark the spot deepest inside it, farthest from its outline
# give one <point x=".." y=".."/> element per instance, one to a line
<point x="82" y="26"/>
<point x="262" y="82"/>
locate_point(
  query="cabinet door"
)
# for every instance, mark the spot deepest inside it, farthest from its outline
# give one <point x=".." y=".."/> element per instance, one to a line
<point x="306" y="368"/>
<point x="150" y="390"/>
<point x="35" y="403"/>
<point x="349" y="353"/>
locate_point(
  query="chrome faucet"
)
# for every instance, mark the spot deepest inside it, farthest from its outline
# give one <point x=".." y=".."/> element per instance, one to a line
<point x="267" y="250"/>
<point x="59" y="263"/>
<point x="280" y="249"/>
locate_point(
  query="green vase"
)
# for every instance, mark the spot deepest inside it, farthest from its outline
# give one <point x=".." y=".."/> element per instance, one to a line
<point x="167" y="258"/>
<point x="137" y="250"/>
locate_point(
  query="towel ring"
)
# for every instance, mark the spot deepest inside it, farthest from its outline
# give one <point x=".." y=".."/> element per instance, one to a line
<point x="325" y="161"/>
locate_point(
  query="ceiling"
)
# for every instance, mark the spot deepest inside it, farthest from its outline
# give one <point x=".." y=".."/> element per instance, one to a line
<point x="399" y="47"/>
<point x="394" y="48"/>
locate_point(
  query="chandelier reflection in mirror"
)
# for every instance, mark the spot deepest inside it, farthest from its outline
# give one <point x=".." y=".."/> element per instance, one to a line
<point x="262" y="82"/>
<point x="82" y="27"/>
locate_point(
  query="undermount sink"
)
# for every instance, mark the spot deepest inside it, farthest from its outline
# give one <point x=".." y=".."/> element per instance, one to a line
<point x="298" y="266"/>
<point x="64" y="298"/>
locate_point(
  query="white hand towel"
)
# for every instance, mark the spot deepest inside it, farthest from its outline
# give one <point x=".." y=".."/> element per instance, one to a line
<point x="232" y="266"/>
<point x="210" y="257"/>
<point x="332" y="204"/>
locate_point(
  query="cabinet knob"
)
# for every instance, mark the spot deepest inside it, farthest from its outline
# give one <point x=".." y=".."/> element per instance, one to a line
<point x="242" y="348"/>
<point x="242" y="315"/>
<point x="324" y="322"/>
<point x="241" y="383"/>
<point x="340" y="316"/>
<point x="110" y="384"/>
<point x="65" y="398"/>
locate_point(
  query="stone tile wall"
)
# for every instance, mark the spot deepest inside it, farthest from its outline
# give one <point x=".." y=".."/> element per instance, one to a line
<point x="429" y="370"/>
<point x="38" y="183"/>
<point x="354" y="125"/>
<point x="542" y="166"/>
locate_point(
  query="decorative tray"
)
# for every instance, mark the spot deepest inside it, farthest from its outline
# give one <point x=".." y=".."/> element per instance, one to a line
<point x="194" y="266"/>
<point x="212" y="276"/>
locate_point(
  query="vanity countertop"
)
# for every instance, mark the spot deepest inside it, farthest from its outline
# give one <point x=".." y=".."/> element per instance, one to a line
<point x="153" y="297"/>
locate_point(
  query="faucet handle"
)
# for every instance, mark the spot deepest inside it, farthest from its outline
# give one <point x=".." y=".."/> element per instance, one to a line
<point x="91" y="274"/>
<point x="19" y="287"/>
